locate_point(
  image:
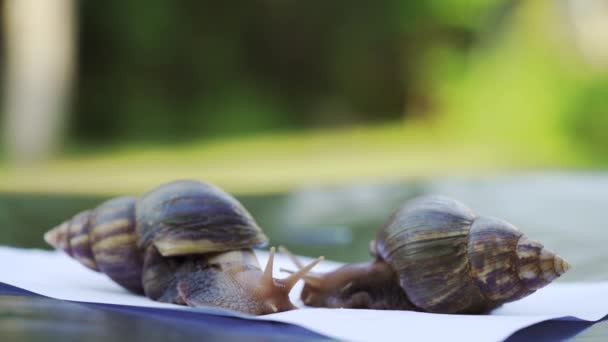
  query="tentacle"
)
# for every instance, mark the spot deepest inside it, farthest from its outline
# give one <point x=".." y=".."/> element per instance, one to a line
<point x="290" y="281"/>
<point x="267" y="279"/>
<point x="313" y="280"/>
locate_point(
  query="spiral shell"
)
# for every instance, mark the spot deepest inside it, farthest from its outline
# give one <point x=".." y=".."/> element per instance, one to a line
<point x="191" y="217"/>
<point x="104" y="240"/>
<point x="450" y="260"/>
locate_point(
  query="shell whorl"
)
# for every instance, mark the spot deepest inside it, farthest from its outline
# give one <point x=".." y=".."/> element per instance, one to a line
<point x="538" y="266"/>
<point x="191" y="217"/>
<point x="72" y="236"/>
<point x="505" y="264"/>
<point x="450" y="260"/>
<point x="104" y="240"/>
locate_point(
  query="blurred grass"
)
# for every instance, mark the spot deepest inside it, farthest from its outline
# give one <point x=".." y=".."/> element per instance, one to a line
<point x="276" y="162"/>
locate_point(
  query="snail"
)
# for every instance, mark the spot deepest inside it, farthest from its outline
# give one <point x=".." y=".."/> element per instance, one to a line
<point x="436" y="255"/>
<point x="184" y="242"/>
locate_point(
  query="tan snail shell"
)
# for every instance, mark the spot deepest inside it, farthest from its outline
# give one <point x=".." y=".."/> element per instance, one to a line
<point x="436" y="255"/>
<point x="184" y="242"/>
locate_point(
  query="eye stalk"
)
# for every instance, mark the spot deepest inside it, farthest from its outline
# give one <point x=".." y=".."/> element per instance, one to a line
<point x="310" y="278"/>
<point x="274" y="293"/>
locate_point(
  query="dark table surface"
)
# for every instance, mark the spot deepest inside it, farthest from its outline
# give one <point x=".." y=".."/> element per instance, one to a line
<point x="29" y="317"/>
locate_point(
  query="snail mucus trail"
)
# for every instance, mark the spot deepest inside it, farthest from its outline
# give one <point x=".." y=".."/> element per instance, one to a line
<point x="184" y="242"/>
<point x="434" y="254"/>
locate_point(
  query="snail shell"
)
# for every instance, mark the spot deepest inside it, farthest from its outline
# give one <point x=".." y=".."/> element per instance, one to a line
<point x="190" y="217"/>
<point x="445" y="259"/>
<point x="104" y="240"/>
<point x="184" y="242"/>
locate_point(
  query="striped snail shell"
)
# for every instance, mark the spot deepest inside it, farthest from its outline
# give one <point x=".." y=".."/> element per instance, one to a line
<point x="190" y="217"/>
<point x="184" y="242"/>
<point x="436" y="255"/>
<point x="104" y="240"/>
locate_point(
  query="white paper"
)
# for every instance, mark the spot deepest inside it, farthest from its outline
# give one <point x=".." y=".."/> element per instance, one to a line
<point x="53" y="274"/>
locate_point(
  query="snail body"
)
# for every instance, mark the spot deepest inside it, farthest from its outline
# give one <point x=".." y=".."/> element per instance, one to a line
<point x="435" y="254"/>
<point x="185" y="242"/>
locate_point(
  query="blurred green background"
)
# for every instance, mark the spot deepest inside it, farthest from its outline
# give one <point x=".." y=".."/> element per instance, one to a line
<point x="278" y="101"/>
<point x="266" y="96"/>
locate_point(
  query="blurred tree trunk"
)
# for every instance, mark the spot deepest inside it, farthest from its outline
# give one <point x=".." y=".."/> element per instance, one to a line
<point x="590" y="25"/>
<point x="39" y="44"/>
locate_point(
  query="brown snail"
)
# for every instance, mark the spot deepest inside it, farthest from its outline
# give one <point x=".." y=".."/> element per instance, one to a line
<point x="436" y="255"/>
<point x="184" y="242"/>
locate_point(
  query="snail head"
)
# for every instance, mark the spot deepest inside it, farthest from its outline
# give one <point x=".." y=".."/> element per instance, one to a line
<point x="248" y="289"/>
<point x="364" y="285"/>
<point x="331" y="289"/>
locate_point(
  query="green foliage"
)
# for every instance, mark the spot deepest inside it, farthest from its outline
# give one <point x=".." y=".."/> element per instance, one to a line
<point x="399" y="89"/>
<point x="520" y="91"/>
<point x="587" y="121"/>
<point x="175" y="71"/>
